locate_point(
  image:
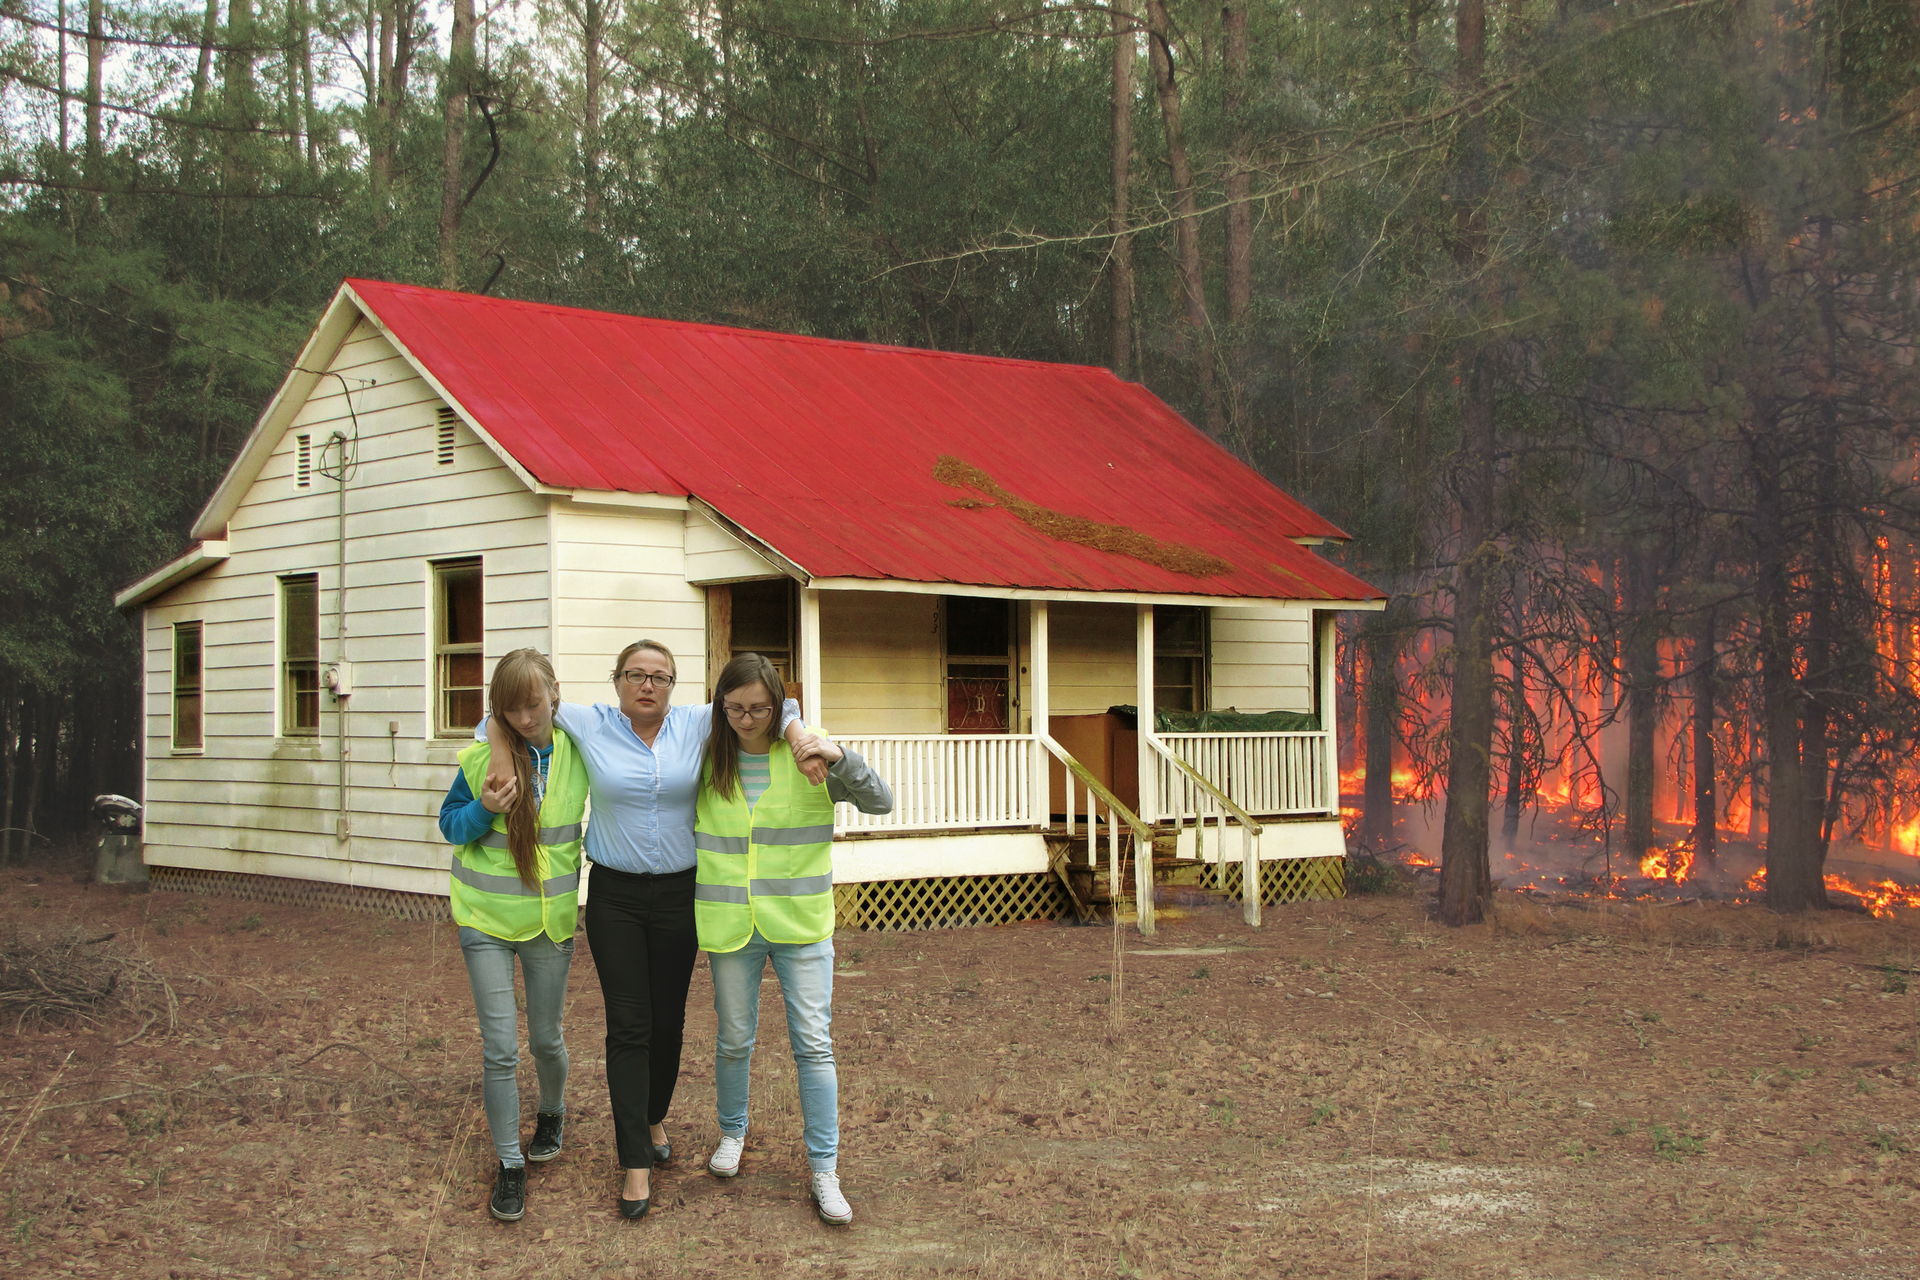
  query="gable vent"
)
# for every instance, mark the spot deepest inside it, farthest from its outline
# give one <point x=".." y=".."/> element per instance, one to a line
<point x="445" y="445"/>
<point x="303" y="461"/>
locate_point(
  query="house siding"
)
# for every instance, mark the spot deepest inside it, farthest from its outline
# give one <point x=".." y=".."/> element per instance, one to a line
<point x="253" y="801"/>
<point x="620" y="576"/>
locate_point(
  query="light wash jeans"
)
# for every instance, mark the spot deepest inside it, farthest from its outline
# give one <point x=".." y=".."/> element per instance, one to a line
<point x="805" y="971"/>
<point x="543" y="966"/>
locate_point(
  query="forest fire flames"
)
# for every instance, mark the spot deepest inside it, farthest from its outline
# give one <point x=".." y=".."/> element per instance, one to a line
<point x="1673" y="864"/>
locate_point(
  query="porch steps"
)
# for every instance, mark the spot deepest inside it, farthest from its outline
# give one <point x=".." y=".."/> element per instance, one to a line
<point x="1177" y="882"/>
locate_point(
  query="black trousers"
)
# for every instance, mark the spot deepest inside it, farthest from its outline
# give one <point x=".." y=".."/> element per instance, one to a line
<point x="644" y="946"/>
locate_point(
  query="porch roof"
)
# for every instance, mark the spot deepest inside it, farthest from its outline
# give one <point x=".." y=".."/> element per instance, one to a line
<point x="854" y="460"/>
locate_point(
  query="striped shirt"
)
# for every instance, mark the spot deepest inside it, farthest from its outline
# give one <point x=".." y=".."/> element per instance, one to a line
<point x="755" y="775"/>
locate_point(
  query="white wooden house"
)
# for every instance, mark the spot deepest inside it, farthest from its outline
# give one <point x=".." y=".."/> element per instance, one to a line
<point x="952" y="556"/>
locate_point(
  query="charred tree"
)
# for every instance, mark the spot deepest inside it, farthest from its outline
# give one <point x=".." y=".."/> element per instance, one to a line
<point x="1382" y="640"/>
<point x="1640" y="656"/>
<point x="1705" y="802"/>
<point x="1466" y="879"/>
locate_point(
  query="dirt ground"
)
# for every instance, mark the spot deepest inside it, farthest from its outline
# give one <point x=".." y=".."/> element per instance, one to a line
<point x="1578" y="1090"/>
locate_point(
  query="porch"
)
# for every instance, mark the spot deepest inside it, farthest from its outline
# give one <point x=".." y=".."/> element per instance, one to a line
<point x="1016" y="787"/>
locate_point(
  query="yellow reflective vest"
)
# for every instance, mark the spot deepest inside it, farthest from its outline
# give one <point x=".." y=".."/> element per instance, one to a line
<point x="768" y="867"/>
<point x="487" y="892"/>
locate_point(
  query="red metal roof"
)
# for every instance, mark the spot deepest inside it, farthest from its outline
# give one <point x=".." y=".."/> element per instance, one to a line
<point x="826" y="450"/>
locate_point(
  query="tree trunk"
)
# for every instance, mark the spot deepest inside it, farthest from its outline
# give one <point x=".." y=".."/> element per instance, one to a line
<point x="11" y="718"/>
<point x="1239" y="191"/>
<point x="1793" y="875"/>
<point x="1120" y="263"/>
<point x="96" y="60"/>
<point x="239" y="62"/>
<point x="1186" y="213"/>
<point x="460" y="68"/>
<point x="1516" y="788"/>
<point x="1705" y="802"/>
<point x="1641" y="654"/>
<point x="1383" y="640"/>
<point x="380" y="153"/>
<point x="35" y="725"/>
<point x="60" y="45"/>
<point x="1466" y="880"/>
<point x="593" y="15"/>
<point x="309" y="111"/>
<point x="189" y="144"/>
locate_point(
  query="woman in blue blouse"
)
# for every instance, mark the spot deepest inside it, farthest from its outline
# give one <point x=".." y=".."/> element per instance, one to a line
<point x="643" y="761"/>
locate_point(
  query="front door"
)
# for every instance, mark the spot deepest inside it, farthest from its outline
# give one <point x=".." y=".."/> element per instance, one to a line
<point x="979" y="664"/>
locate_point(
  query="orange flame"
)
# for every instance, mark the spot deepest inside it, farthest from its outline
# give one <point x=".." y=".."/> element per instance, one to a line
<point x="1674" y="864"/>
<point x="1881" y="897"/>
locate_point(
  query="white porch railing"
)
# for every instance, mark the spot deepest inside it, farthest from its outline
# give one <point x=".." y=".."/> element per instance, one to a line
<point x="1269" y="774"/>
<point x="1194" y="796"/>
<point x="946" y="781"/>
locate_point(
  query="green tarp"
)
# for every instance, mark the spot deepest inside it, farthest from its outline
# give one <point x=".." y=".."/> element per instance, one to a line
<point x="1228" y="721"/>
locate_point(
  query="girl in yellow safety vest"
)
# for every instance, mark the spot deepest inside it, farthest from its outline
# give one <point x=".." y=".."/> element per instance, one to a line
<point x="515" y="892"/>
<point x="763" y="892"/>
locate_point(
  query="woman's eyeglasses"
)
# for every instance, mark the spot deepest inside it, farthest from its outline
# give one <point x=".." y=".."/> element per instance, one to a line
<point x="647" y="679"/>
<point x="750" y="715"/>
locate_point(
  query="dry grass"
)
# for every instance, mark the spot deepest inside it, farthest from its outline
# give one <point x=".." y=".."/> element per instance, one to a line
<point x="67" y="975"/>
<point x="1352" y="1092"/>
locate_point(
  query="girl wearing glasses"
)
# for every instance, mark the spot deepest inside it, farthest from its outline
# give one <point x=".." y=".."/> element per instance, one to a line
<point x="643" y="762"/>
<point x="764" y="893"/>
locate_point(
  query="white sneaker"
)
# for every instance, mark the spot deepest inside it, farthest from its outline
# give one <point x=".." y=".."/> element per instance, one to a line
<point x="827" y="1199"/>
<point x="725" y="1160"/>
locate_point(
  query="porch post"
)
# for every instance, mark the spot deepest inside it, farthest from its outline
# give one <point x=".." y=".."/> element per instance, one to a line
<point x="810" y="657"/>
<point x="1039" y="708"/>
<point x="1324" y="635"/>
<point x="1143" y="703"/>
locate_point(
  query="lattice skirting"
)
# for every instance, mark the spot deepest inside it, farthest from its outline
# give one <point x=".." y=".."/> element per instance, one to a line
<point x="1287" y="879"/>
<point x="252" y="888"/>
<point x="949" y="902"/>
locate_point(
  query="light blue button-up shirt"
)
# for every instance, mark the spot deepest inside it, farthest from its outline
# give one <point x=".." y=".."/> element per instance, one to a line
<point x="643" y="797"/>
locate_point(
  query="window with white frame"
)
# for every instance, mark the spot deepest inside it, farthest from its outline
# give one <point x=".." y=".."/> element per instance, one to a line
<point x="188" y="700"/>
<point x="300" y="656"/>
<point x="459" y="630"/>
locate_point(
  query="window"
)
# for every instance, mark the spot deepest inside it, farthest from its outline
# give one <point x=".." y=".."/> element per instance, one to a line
<point x="303" y="461"/>
<point x="979" y="632"/>
<point x="459" y="627"/>
<point x="443" y="444"/>
<point x="187" y="717"/>
<point x="1179" y="658"/>
<point x="763" y="622"/>
<point x="300" y="656"/>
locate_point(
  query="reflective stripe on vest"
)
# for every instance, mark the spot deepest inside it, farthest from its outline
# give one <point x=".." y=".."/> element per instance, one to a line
<point x="487" y="893"/>
<point x="767" y="867"/>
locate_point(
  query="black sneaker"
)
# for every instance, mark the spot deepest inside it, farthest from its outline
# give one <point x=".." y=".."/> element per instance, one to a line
<point x="546" y="1137"/>
<point x="509" y="1203"/>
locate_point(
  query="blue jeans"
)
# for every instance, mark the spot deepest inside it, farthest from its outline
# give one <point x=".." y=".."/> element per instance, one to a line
<point x="805" y="971"/>
<point x="543" y="965"/>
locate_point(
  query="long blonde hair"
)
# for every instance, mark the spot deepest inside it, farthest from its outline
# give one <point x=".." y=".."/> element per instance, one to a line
<point x="523" y="676"/>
